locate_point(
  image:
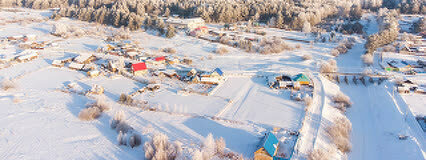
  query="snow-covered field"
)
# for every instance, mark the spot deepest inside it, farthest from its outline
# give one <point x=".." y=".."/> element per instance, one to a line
<point x="38" y="121"/>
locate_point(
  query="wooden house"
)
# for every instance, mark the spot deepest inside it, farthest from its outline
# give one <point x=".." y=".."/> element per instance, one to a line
<point x="172" y="60"/>
<point x="302" y="79"/>
<point x="196" y="79"/>
<point x="284" y="81"/>
<point x="67" y="60"/>
<point x="160" y="60"/>
<point x="36" y="45"/>
<point x="93" y="73"/>
<point x="76" y="66"/>
<point x="192" y="72"/>
<point x="28" y="56"/>
<point x="214" y="77"/>
<point x="187" y="61"/>
<point x="153" y="87"/>
<point x="268" y="148"/>
<point x="85" y="58"/>
<point x="112" y="66"/>
<point x="57" y="63"/>
<point x="139" y="69"/>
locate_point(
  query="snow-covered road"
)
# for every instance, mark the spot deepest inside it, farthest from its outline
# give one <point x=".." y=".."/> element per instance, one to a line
<point x="377" y="117"/>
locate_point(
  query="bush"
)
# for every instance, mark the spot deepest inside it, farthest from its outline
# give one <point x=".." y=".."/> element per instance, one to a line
<point x="159" y="148"/>
<point x="335" y="52"/>
<point x="101" y="104"/>
<point x="118" y="117"/>
<point x="8" y="84"/>
<point x="329" y="66"/>
<point x="307" y="57"/>
<point x="121" y="138"/>
<point x="342" y="98"/>
<point x="126" y="99"/>
<point x="90" y="113"/>
<point x="308" y="101"/>
<point x="339" y="134"/>
<point x="221" y="50"/>
<point x="169" y="50"/>
<point x="389" y="48"/>
<point x="135" y="140"/>
<point x="220" y="146"/>
<point x="368" y="59"/>
<point x="298" y="46"/>
<point x="318" y="154"/>
<point x="209" y="147"/>
<point x="122" y="126"/>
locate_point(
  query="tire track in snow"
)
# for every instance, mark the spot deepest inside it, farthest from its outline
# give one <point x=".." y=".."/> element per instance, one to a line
<point x="312" y="121"/>
<point x="241" y="93"/>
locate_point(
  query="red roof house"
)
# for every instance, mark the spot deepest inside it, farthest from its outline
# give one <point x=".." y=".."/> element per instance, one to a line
<point x="139" y="69"/>
<point x="162" y="58"/>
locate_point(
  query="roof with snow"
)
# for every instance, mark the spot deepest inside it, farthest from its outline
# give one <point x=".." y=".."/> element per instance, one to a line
<point x="139" y="66"/>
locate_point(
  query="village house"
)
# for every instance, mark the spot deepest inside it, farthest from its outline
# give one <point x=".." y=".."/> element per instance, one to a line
<point x="199" y="31"/>
<point x="30" y="37"/>
<point x="27" y="56"/>
<point x="139" y="69"/>
<point x="6" y="58"/>
<point x="187" y="61"/>
<point x="67" y="60"/>
<point x="284" y="81"/>
<point x="400" y="66"/>
<point x="132" y="54"/>
<point x="268" y="148"/>
<point x="214" y="77"/>
<point x="160" y="60"/>
<point x="302" y="79"/>
<point x="112" y="66"/>
<point x="36" y="45"/>
<point x="93" y="73"/>
<point x="57" y="63"/>
<point x="190" y="23"/>
<point x="85" y="58"/>
<point x="76" y="66"/>
<point x="172" y="60"/>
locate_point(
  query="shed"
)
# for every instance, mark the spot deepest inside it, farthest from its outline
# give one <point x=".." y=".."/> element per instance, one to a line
<point x="302" y="79"/>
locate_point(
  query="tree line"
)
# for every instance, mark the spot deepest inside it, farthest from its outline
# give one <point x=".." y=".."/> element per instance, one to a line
<point x="288" y="14"/>
<point x="388" y="25"/>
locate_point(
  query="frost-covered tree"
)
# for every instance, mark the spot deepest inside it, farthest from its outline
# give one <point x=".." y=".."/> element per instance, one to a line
<point x="306" y="27"/>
